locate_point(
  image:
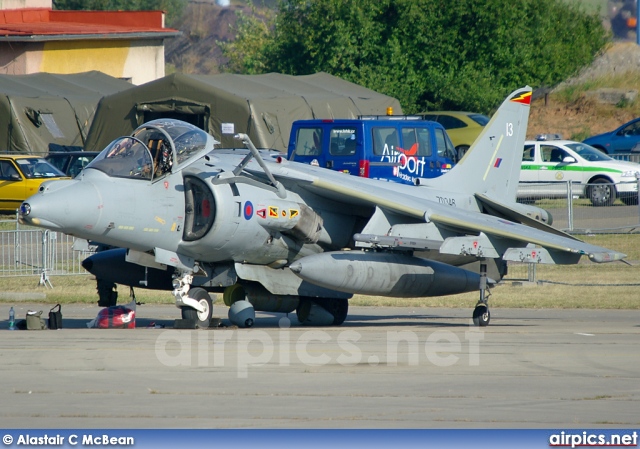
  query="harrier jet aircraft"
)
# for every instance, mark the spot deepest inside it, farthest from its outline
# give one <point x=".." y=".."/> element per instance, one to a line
<point x="274" y="235"/>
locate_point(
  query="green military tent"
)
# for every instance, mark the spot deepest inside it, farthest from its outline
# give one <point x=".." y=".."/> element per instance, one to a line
<point x="262" y="106"/>
<point x="45" y="111"/>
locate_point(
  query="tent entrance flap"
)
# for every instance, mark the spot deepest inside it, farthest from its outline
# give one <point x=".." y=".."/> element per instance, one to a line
<point x="197" y="114"/>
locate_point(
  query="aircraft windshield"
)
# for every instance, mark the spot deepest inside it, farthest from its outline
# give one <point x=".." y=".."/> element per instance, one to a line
<point x="153" y="150"/>
<point x="125" y="157"/>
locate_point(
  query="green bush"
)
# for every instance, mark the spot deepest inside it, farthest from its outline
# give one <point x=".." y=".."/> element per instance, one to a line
<point x="431" y="54"/>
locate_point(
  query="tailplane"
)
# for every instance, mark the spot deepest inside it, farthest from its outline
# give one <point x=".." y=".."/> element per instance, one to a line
<point x="492" y="164"/>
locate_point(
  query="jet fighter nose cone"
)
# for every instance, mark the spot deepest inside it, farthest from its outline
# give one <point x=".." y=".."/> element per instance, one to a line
<point x="65" y="206"/>
<point x="25" y="216"/>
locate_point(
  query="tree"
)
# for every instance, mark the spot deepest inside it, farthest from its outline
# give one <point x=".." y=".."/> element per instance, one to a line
<point x="245" y="52"/>
<point x="431" y="54"/>
<point x="174" y="8"/>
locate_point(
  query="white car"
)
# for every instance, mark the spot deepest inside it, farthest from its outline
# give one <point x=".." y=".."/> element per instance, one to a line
<point x="593" y="174"/>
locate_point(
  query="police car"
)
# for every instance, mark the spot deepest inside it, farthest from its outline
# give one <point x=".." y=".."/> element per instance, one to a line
<point x="547" y="165"/>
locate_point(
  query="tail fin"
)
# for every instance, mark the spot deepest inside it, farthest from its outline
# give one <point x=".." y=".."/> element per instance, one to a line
<point x="492" y="165"/>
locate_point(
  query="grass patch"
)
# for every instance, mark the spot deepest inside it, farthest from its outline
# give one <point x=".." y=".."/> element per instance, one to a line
<point x="80" y="289"/>
<point x="575" y="97"/>
<point x="510" y="295"/>
<point x="572" y="93"/>
<point x="583" y="286"/>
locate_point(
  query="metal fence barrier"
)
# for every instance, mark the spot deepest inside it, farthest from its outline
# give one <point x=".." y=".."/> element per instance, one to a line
<point x="38" y="252"/>
<point x="629" y="157"/>
<point x="573" y="211"/>
<point x="575" y="214"/>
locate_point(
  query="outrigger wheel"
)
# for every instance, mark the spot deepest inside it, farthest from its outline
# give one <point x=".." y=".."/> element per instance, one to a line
<point x="481" y="314"/>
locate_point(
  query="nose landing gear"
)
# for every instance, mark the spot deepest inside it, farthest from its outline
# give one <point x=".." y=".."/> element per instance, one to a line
<point x="194" y="303"/>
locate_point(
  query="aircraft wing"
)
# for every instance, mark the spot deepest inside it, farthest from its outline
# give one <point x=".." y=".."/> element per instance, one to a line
<point x="504" y="229"/>
<point x="505" y="238"/>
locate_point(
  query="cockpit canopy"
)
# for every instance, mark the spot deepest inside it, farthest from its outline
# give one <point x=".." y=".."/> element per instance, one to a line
<point x="154" y="149"/>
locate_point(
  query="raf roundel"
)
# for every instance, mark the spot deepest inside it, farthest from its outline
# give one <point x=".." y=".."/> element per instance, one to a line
<point x="248" y="210"/>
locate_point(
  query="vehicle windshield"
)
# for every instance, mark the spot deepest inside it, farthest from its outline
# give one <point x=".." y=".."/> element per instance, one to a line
<point x="480" y="119"/>
<point x="588" y="153"/>
<point x="35" y="167"/>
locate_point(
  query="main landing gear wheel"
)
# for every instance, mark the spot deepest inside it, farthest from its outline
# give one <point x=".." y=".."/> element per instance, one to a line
<point x="322" y="311"/>
<point x="203" y="318"/>
<point x="481" y="315"/>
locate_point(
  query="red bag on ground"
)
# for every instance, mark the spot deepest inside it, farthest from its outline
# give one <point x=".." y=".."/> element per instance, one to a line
<point x="116" y="317"/>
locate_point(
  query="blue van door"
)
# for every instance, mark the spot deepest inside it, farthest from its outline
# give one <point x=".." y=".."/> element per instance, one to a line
<point x="329" y="145"/>
<point x="446" y="155"/>
<point x="308" y="146"/>
<point x="384" y="162"/>
<point x="345" y="148"/>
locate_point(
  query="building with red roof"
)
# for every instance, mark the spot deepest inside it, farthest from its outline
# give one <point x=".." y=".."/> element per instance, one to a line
<point x="124" y="44"/>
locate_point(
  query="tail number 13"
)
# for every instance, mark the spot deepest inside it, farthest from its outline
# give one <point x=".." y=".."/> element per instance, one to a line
<point x="509" y="129"/>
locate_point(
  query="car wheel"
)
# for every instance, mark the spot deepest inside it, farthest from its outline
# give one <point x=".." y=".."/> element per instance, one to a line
<point x="601" y="192"/>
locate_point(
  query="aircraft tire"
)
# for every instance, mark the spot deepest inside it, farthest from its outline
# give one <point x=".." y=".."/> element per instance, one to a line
<point x="481" y="315"/>
<point x="202" y="319"/>
<point x="337" y="308"/>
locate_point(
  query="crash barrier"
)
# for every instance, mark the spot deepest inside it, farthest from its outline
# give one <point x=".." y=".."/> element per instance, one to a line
<point x="629" y="157"/>
<point x="576" y="208"/>
<point x="36" y="252"/>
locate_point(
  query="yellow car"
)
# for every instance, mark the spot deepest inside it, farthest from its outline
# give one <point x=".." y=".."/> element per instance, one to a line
<point x="21" y="176"/>
<point x="462" y="127"/>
